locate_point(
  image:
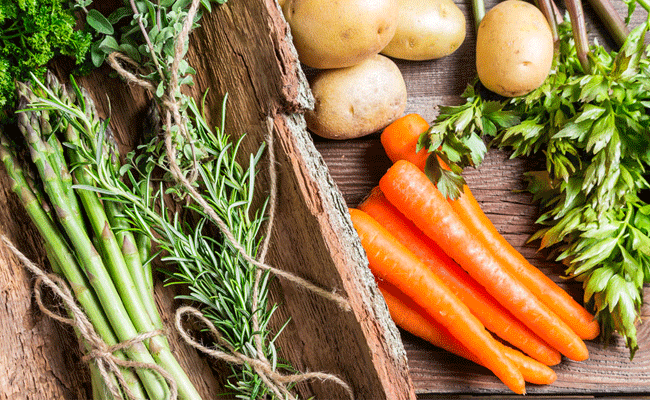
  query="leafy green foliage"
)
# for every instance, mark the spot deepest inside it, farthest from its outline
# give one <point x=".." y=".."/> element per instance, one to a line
<point x="456" y="137"/>
<point x="32" y="32"/>
<point x="593" y="133"/>
<point x="121" y="32"/>
<point x="595" y="138"/>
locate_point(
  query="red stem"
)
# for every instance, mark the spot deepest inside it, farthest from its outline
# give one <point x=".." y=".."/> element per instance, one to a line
<point x="579" y="26"/>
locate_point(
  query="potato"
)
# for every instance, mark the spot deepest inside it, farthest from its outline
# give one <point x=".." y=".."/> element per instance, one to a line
<point x="514" y="48"/>
<point x="356" y="101"/>
<point x="426" y="30"/>
<point x="336" y="34"/>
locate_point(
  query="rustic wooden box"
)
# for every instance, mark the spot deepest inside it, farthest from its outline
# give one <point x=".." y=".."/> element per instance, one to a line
<point x="244" y="48"/>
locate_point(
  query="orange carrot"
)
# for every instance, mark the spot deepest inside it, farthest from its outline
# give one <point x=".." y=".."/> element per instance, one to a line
<point x="491" y="314"/>
<point x="410" y="317"/>
<point x="409" y="189"/>
<point x="399" y="141"/>
<point x="558" y="300"/>
<point x="400" y="138"/>
<point x="391" y="261"/>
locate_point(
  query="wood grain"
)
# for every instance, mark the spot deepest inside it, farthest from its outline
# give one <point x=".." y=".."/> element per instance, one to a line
<point x="357" y="166"/>
<point x="243" y="49"/>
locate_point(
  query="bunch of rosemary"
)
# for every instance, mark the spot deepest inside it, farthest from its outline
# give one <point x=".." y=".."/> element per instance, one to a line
<point x="198" y="164"/>
<point x="590" y="123"/>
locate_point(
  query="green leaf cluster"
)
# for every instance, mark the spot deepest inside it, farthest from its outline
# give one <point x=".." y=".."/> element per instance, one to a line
<point x="121" y="32"/>
<point x="456" y="137"/>
<point x="592" y="133"/>
<point x="32" y="32"/>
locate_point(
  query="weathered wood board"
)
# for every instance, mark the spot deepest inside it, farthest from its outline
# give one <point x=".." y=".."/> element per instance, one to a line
<point x="357" y="166"/>
<point x="242" y="49"/>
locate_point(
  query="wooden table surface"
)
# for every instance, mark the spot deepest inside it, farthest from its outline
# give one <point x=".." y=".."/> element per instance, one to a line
<point x="357" y="165"/>
<point x="35" y="352"/>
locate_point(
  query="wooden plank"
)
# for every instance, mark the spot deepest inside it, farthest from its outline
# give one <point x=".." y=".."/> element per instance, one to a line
<point x="357" y="166"/>
<point x="242" y="48"/>
<point x="261" y="75"/>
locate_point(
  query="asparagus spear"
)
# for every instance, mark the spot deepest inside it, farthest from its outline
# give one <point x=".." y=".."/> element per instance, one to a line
<point x="85" y="133"/>
<point x="61" y="257"/>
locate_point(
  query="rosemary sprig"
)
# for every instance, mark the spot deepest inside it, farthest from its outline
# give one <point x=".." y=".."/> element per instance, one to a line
<point x="199" y="165"/>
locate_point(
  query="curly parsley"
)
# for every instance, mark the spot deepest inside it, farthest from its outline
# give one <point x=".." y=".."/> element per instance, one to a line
<point x="32" y="32"/>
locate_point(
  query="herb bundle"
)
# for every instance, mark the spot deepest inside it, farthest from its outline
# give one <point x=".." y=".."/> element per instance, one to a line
<point x="177" y="191"/>
<point x="87" y="242"/>
<point x="591" y="126"/>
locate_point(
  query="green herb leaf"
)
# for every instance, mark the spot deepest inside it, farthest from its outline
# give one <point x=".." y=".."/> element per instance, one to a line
<point x="449" y="182"/>
<point x="98" y="22"/>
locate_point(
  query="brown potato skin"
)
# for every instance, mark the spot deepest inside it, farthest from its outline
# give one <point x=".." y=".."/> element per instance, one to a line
<point x="514" y="48"/>
<point x="356" y="101"/>
<point x="340" y="33"/>
<point x="427" y="30"/>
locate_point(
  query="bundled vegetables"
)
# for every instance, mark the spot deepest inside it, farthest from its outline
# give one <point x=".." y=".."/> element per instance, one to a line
<point x="181" y="194"/>
<point x="588" y="124"/>
<point x="419" y="242"/>
<point x="101" y="261"/>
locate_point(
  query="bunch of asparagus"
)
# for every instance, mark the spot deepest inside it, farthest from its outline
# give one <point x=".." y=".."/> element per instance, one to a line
<point x="88" y="241"/>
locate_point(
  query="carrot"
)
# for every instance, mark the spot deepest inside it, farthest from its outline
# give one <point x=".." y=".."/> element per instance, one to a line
<point x="400" y="138"/>
<point x="558" y="300"/>
<point x="532" y="370"/>
<point x="391" y="261"/>
<point x="409" y="316"/>
<point x="491" y="314"/>
<point x="409" y="189"/>
<point x="399" y="141"/>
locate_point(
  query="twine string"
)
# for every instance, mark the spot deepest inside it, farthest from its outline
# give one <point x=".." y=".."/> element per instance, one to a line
<point x="102" y="354"/>
<point x="173" y="117"/>
<point x="275" y="380"/>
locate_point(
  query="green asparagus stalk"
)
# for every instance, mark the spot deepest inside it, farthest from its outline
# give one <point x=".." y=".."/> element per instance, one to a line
<point x="61" y="257"/>
<point x="99" y="387"/>
<point x="89" y="258"/>
<point x="144" y="246"/>
<point x="140" y="273"/>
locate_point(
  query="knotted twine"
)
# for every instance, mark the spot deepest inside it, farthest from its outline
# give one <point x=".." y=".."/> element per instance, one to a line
<point x="99" y="352"/>
<point x="275" y="381"/>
